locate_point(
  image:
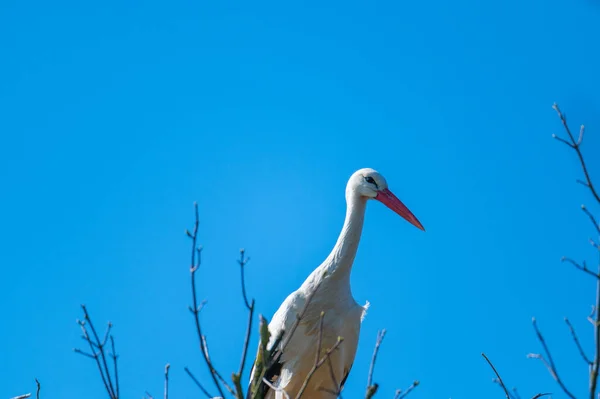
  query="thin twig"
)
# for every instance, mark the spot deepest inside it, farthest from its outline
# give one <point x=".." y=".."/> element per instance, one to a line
<point x="237" y="377"/>
<point x="539" y="395"/>
<point x="84" y="353"/>
<point x="221" y="379"/>
<point x="402" y="395"/>
<point x="317" y="365"/>
<point x="513" y="394"/>
<point x="195" y="264"/>
<point x="97" y="352"/>
<point x="198" y="384"/>
<point x="243" y="262"/>
<point x="94" y="356"/>
<point x="550" y="362"/>
<point x="37" y="391"/>
<point x="106" y="334"/>
<point x="596" y="363"/>
<point x="498" y="376"/>
<point x="592" y="218"/>
<point x="576" y="146"/>
<point x="320" y="337"/>
<point x="101" y="349"/>
<point x="590" y="318"/>
<point x="583" y="267"/>
<point x="335" y="392"/>
<point x="576" y="339"/>
<point x="372" y="388"/>
<point x="338" y="389"/>
<point x="167" y="366"/>
<point x="115" y="357"/>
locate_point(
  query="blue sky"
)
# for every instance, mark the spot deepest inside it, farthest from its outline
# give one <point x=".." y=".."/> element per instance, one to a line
<point x="116" y="117"/>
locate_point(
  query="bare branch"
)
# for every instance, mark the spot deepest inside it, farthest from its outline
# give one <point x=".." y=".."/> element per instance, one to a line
<point x="195" y="264"/>
<point x="372" y="388"/>
<point x="596" y="363"/>
<point x="550" y="362"/>
<point x="562" y="140"/>
<point x="237" y="377"/>
<point x="499" y="381"/>
<point x="583" y="267"/>
<point x="115" y="357"/>
<point x="338" y="391"/>
<point x="514" y="394"/>
<point x="100" y="346"/>
<point x="576" y="146"/>
<point x="576" y="339"/>
<point x="198" y="384"/>
<point x="590" y="318"/>
<point x="97" y="352"/>
<point x="84" y="353"/>
<point x="243" y="262"/>
<point x="167" y="366"/>
<point x="592" y="218"/>
<point x="539" y="395"/>
<point x="506" y="392"/>
<point x="109" y="326"/>
<point x="320" y="337"/>
<point x="37" y="391"/>
<point x="317" y="365"/>
<point x="402" y="395"/>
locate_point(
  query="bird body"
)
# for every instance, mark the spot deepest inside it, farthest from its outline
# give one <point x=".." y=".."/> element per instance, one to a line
<point x="328" y="289"/>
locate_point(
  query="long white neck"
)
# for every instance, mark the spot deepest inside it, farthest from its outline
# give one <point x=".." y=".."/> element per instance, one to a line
<point x="339" y="262"/>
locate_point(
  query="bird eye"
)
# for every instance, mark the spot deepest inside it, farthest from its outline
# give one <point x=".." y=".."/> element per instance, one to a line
<point x="369" y="179"/>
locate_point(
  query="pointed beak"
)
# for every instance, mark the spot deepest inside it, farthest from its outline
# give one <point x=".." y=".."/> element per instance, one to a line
<point x="391" y="201"/>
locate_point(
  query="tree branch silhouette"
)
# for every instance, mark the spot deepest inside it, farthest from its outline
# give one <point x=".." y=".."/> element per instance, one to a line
<point x="548" y="361"/>
<point x="546" y="358"/>
<point x="500" y="382"/>
<point x="167" y="367"/>
<point x="237" y="377"/>
<point x="196" y="308"/>
<point x="372" y="388"/>
<point x="98" y="353"/>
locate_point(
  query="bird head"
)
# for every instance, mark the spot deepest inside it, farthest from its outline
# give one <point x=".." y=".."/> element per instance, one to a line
<point x="370" y="184"/>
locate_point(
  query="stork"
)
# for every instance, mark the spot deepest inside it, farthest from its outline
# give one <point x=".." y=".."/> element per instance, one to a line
<point x="327" y="289"/>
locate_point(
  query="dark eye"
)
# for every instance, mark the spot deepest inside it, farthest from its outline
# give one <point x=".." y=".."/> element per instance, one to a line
<point x="369" y="179"/>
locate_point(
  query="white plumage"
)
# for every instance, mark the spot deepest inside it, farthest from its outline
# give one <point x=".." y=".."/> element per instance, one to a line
<point x="342" y="314"/>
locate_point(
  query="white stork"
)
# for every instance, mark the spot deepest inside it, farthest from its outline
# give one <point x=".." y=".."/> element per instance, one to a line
<point x="333" y="296"/>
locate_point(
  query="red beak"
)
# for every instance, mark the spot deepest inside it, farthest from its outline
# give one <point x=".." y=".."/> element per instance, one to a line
<point x="391" y="201"/>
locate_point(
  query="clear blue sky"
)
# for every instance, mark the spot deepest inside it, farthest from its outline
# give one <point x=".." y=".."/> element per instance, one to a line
<point x="115" y="118"/>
